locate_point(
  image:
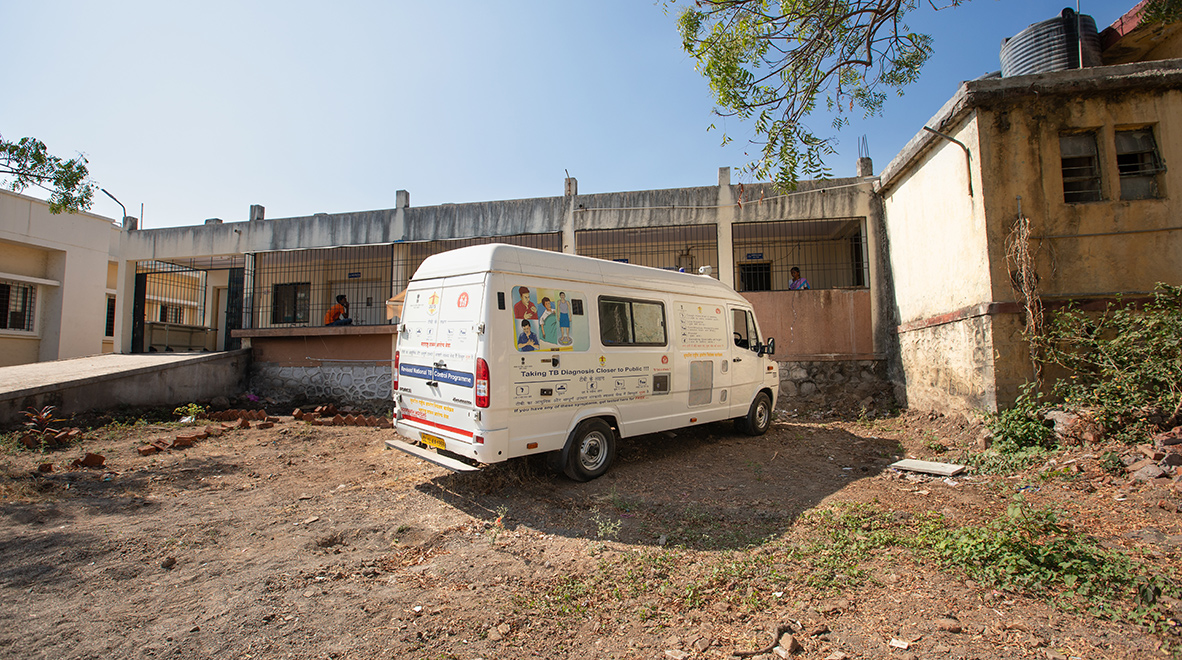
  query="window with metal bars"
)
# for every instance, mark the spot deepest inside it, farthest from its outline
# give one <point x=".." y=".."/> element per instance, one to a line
<point x="679" y="247"/>
<point x="110" y="327"/>
<point x="1138" y="164"/>
<point x="290" y="303"/>
<point x="1081" y="168"/>
<point x="18" y="304"/>
<point x="830" y="254"/>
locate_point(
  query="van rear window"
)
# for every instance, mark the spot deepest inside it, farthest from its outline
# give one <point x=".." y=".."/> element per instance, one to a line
<point x="625" y="322"/>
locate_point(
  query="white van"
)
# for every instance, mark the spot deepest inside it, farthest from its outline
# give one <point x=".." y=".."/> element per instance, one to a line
<point x="507" y="351"/>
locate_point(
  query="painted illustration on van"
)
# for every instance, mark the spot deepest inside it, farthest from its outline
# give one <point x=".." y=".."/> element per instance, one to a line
<point x="549" y="319"/>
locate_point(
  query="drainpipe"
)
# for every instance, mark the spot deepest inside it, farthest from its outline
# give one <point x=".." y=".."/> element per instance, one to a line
<point x="968" y="162"/>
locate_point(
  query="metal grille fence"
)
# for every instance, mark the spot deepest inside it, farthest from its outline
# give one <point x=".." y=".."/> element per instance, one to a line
<point x="298" y="287"/>
<point x="174" y="293"/>
<point x="830" y="254"/>
<point x="411" y="255"/>
<point x="685" y="247"/>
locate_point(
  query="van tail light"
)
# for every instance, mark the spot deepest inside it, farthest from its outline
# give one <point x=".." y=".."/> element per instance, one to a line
<point x="394" y="376"/>
<point x="482" y="386"/>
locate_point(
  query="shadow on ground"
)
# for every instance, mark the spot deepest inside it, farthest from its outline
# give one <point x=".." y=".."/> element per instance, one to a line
<point x="705" y="487"/>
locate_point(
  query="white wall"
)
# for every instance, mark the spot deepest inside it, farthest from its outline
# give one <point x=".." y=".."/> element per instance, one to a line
<point x="70" y="254"/>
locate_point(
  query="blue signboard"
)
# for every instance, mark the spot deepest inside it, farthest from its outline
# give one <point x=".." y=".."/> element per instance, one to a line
<point x="460" y="378"/>
<point x="354" y="276"/>
<point x="754" y="256"/>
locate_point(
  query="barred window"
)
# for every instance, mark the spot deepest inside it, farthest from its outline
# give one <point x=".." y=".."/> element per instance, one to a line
<point x="1081" y="168"/>
<point x="18" y="303"/>
<point x="1138" y="163"/>
<point x="110" y="329"/>
<point x="291" y="302"/>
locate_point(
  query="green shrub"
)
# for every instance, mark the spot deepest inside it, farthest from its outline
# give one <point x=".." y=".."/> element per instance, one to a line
<point x="1126" y="363"/>
<point x="1021" y="426"/>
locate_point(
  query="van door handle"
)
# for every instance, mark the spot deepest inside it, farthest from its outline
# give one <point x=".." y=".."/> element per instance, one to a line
<point x="737" y="360"/>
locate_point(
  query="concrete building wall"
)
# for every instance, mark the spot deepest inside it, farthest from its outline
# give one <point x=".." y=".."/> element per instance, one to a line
<point x="960" y="338"/>
<point x="939" y="255"/>
<point x="66" y="258"/>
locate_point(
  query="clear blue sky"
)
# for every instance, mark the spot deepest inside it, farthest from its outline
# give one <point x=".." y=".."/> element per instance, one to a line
<point x="198" y="110"/>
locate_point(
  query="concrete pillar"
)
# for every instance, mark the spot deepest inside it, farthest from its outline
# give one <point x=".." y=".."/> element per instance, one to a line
<point x="402" y="199"/>
<point x="124" y="302"/>
<point x="727" y="213"/>
<point x="865" y="166"/>
<point x="570" y="197"/>
<point x="257" y="212"/>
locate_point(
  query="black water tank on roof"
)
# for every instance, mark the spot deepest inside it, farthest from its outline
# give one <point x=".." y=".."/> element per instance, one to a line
<point x="1052" y="45"/>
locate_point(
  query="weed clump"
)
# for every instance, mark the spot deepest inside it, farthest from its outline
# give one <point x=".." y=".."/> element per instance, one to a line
<point x="1126" y="363"/>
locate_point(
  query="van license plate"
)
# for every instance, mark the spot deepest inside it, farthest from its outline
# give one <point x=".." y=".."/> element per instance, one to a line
<point x="433" y="441"/>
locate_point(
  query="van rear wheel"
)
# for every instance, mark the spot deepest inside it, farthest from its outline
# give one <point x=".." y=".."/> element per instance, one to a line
<point x="759" y="417"/>
<point x="589" y="450"/>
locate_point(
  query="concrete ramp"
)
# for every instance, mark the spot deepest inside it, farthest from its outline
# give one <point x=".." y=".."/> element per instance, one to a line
<point x="107" y="381"/>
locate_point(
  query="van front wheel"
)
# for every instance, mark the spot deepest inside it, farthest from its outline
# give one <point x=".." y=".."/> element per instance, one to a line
<point x="589" y="450"/>
<point x="759" y="417"/>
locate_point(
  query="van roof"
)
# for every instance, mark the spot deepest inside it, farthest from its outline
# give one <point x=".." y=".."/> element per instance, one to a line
<point x="500" y="257"/>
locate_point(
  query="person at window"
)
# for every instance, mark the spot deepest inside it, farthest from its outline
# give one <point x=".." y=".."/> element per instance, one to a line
<point x="798" y="283"/>
<point x="338" y="314"/>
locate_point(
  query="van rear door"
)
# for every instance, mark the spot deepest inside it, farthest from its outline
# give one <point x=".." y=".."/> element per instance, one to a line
<point x="437" y="359"/>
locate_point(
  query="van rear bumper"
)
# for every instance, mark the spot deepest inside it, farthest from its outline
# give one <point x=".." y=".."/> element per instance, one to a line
<point x="482" y="446"/>
<point x="431" y="456"/>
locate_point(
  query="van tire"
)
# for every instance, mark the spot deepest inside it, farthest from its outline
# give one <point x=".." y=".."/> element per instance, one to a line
<point x="589" y="450"/>
<point x="759" y="417"/>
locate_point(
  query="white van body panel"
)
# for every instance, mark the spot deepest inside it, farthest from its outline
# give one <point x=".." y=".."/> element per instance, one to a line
<point x="646" y="349"/>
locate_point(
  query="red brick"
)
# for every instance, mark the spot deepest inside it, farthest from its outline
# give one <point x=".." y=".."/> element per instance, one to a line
<point x="273" y="420"/>
<point x="385" y="425"/>
<point x="182" y="441"/>
<point x="148" y="450"/>
<point x="244" y="423"/>
<point x="264" y="425"/>
<point x="159" y="444"/>
<point x="337" y="420"/>
<point x="90" y="460"/>
<point x="214" y="431"/>
<point x="45" y="467"/>
<point x="297" y="413"/>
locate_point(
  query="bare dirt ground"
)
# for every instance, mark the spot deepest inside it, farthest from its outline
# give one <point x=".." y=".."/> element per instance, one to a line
<point x="317" y="542"/>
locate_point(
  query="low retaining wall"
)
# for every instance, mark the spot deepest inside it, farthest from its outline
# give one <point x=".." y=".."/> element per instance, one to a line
<point x="341" y="364"/>
<point x="345" y="382"/>
<point x="826" y="380"/>
<point x="200" y="378"/>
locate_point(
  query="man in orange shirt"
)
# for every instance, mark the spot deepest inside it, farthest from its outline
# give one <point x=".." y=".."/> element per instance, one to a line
<point x="338" y="314"/>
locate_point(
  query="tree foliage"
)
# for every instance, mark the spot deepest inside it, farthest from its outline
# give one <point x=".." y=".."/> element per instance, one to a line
<point x="775" y="61"/>
<point x="27" y="162"/>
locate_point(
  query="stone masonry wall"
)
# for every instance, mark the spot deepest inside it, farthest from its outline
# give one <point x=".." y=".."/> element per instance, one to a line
<point x="343" y="383"/>
<point x="847" y="383"/>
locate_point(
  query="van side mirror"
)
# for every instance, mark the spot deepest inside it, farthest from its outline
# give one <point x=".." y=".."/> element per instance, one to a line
<point x="769" y="348"/>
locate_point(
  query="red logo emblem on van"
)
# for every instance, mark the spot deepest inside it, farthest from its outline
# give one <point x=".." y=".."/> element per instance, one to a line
<point x="664" y="359"/>
<point x="463" y="300"/>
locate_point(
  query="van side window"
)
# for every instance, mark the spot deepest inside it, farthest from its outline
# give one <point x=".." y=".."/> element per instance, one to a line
<point x="624" y="322"/>
<point x="745" y="333"/>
